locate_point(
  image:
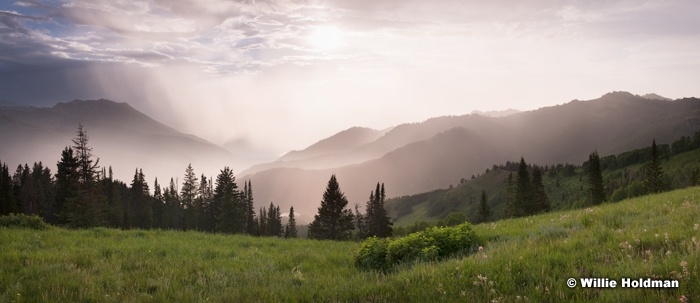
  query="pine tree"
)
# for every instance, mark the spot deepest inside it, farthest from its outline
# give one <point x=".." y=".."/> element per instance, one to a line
<point x="231" y="217"/>
<point x="158" y="205"/>
<point x="484" y="208"/>
<point x="523" y="193"/>
<point x="188" y="194"/>
<point x="654" y="176"/>
<point x="251" y="226"/>
<point x="595" y="179"/>
<point x="262" y="223"/>
<point x="378" y="221"/>
<point x="511" y="210"/>
<point x="203" y="204"/>
<point x="538" y="195"/>
<point x="140" y="204"/>
<point x="333" y="221"/>
<point x="83" y="152"/>
<point x="274" y="221"/>
<point x="290" y="231"/>
<point x="7" y="195"/>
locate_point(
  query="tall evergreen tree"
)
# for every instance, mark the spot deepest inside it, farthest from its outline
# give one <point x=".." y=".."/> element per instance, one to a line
<point x="511" y="210"/>
<point x="523" y="194"/>
<point x="7" y="194"/>
<point x="290" y="231"/>
<point x="231" y="214"/>
<point x="262" y="222"/>
<point x="188" y="194"/>
<point x="333" y="221"/>
<point x="595" y="179"/>
<point x="484" y="208"/>
<point x="203" y="204"/>
<point x="274" y="221"/>
<point x="83" y="152"/>
<point x="378" y="221"/>
<point x="158" y="205"/>
<point x="538" y="195"/>
<point x="141" y="203"/>
<point x="654" y="176"/>
<point x="67" y="185"/>
<point x="173" y="211"/>
<point x="251" y="226"/>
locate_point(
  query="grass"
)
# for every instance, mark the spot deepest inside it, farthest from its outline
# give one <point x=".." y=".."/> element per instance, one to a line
<point x="525" y="260"/>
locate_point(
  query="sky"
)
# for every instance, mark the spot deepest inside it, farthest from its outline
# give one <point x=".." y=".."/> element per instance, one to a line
<point x="285" y="74"/>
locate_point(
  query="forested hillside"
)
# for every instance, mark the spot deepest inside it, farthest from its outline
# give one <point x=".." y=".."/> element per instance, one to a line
<point x="566" y="184"/>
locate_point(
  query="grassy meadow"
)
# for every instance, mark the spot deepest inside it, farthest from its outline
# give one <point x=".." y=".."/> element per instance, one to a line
<point x="525" y="260"/>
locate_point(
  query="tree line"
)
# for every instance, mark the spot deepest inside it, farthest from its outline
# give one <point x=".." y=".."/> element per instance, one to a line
<point x="82" y="194"/>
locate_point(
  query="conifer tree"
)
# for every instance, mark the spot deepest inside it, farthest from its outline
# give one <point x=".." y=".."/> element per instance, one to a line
<point x="262" y="224"/>
<point x="251" y="227"/>
<point x="274" y="221"/>
<point x="378" y="221"/>
<point x="333" y="221"/>
<point x="67" y="185"/>
<point x="231" y="217"/>
<point x="290" y="231"/>
<point x="540" y="202"/>
<point x="511" y="210"/>
<point x="188" y="194"/>
<point x="523" y="193"/>
<point x="158" y="205"/>
<point x="484" y="208"/>
<point x="83" y="152"/>
<point x="203" y="204"/>
<point x="654" y="176"/>
<point x="595" y="179"/>
<point x="7" y="195"/>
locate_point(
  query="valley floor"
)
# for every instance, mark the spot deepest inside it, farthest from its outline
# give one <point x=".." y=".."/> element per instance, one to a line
<point x="525" y="260"/>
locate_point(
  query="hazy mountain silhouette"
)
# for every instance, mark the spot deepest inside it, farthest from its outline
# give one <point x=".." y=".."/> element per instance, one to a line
<point x="497" y="113"/>
<point x="414" y="158"/>
<point x="120" y="136"/>
<point x="334" y="151"/>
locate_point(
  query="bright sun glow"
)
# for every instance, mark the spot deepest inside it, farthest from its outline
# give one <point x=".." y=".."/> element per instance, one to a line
<point x="326" y="38"/>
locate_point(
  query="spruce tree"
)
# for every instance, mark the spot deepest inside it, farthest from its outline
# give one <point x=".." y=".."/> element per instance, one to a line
<point x="484" y="208"/>
<point x="523" y="193"/>
<point x="251" y="227"/>
<point x="333" y="221"/>
<point x="540" y="202"/>
<point x="83" y="152"/>
<point x="378" y="221"/>
<point x="595" y="179"/>
<point x="511" y="210"/>
<point x="67" y="185"/>
<point x="188" y="194"/>
<point x="7" y="195"/>
<point x="231" y="217"/>
<point x="290" y="231"/>
<point x="654" y="176"/>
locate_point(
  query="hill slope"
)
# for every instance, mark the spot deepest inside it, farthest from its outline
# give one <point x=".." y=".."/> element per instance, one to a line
<point x="565" y="186"/>
<point x="526" y="259"/>
<point x="414" y="158"/>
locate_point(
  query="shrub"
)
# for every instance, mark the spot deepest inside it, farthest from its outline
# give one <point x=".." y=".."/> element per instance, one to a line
<point x="23" y="221"/>
<point x="432" y="244"/>
<point x="372" y="254"/>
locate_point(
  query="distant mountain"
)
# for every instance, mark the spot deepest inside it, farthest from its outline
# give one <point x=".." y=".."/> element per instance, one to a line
<point x="496" y="113"/>
<point x="120" y="135"/>
<point x="333" y="151"/>
<point x="247" y="153"/>
<point x="653" y="96"/>
<point x="414" y="158"/>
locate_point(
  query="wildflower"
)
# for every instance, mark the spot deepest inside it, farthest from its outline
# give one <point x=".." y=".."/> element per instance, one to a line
<point x="683" y="299"/>
<point x="481" y="248"/>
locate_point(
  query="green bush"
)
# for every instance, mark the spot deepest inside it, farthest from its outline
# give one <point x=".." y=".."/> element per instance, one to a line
<point x="372" y="254"/>
<point x="432" y="244"/>
<point x="23" y="221"/>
